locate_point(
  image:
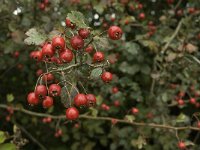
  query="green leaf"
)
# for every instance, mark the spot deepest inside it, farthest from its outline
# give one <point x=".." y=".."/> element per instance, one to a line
<point x="182" y="118"/>
<point x="2" y="137"/>
<point x="139" y="143"/>
<point x="77" y="18"/>
<point x="132" y="48"/>
<point x="34" y="37"/>
<point x="94" y="111"/>
<point x="130" y="69"/>
<point x="9" y="97"/>
<point x="96" y="73"/>
<point x="8" y="146"/>
<point x="153" y="46"/>
<point x="101" y="42"/>
<point x="130" y="118"/>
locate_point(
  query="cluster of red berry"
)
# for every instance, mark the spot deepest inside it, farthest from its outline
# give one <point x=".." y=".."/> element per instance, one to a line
<point x="57" y="52"/>
<point x="43" y="4"/>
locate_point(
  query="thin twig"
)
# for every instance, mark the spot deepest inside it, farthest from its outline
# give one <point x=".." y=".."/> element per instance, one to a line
<point x="142" y="124"/>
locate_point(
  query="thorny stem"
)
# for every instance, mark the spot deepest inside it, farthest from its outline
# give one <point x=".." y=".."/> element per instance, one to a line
<point x="98" y="118"/>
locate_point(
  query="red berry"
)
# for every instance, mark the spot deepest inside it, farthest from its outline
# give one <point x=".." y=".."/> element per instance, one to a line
<point x="47" y="102"/>
<point x="47" y="50"/>
<point x="181" y="145"/>
<point x="46" y="2"/>
<point x="37" y="55"/>
<point x="106" y="76"/>
<point x="170" y="1"/>
<point x="115" y="32"/>
<point x="115" y="90"/>
<point x="140" y="6"/>
<point x="91" y="99"/>
<point x="42" y="6"/>
<point x="105" y="107"/>
<point x="72" y="113"/>
<point x="98" y="57"/>
<point x="135" y="111"/>
<point x="181" y="102"/>
<point x="192" y="100"/>
<point x="89" y="49"/>
<point x="54" y="90"/>
<point x="84" y="33"/>
<point x="181" y="94"/>
<point x="16" y="54"/>
<point x="39" y="72"/>
<point x="66" y="56"/>
<point x="58" y="43"/>
<point x="41" y="91"/>
<point x="142" y="16"/>
<point x="198" y="124"/>
<point x="114" y="121"/>
<point x="77" y="42"/>
<point x="48" y="77"/>
<point x="32" y="99"/>
<point x="116" y="103"/>
<point x="69" y="24"/>
<point x="191" y="10"/>
<point x="80" y="100"/>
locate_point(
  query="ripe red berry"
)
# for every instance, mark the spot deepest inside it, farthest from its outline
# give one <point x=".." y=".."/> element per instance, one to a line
<point x="181" y="102"/>
<point x="16" y="54"/>
<point x="114" y="121"/>
<point x="37" y="55"/>
<point x="116" y="103"/>
<point x="198" y="124"/>
<point x="39" y="72"/>
<point x="170" y="2"/>
<point x="47" y="50"/>
<point x="106" y="76"/>
<point x="142" y="16"/>
<point x="192" y="101"/>
<point x="115" y="32"/>
<point x="77" y="42"/>
<point x="58" y="43"/>
<point x="98" y="57"/>
<point x="69" y="24"/>
<point x="32" y="99"/>
<point x="48" y="77"/>
<point x="115" y="90"/>
<point x="140" y="6"/>
<point x="80" y="100"/>
<point x="105" y="107"/>
<point x="91" y="99"/>
<point x="135" y="111"/>
<point x="84" y="33"/>
<point x="47" y="102"/>
<point x="181" y="94"/>
<point x="72" y="113"/>
<point x="66" y="56"/>
<point x="89" y="49"/>
<point x="41" y="6"/>
<point x="181" y="145"/>
<point x="54" y="90"/>
<point x="191" y="10"/>
<point x="41" y="91"/>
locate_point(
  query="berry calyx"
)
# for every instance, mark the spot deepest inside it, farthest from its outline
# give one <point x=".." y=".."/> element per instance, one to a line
<point x="41" y="91"/>
<point x="32" y="99"/>
<point x="84" y="33"/>
<point x="91" y="100"/>
<point x="80" y="100"/>
<point x="77" y="42"/>
<point x="72" y="113"/>
<point x="58" y="43"/>
<point x="47" y="50"/>
<point x="66" y="56"/>
<point x="98" y="57"/>
<point x="115" y="32"/>
<point x="54" y="90"/>
<point x="47" y="102"/>
<point x="106" y="76"/>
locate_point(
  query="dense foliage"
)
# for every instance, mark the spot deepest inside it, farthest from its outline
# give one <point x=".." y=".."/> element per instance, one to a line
<point x="153" y="101"/>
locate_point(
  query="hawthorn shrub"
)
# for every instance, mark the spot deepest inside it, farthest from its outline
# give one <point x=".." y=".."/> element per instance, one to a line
<point x="59" y="56"/>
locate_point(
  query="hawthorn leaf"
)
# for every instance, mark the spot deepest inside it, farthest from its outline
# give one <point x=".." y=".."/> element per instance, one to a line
<point x="77" y="18"/>
<point x="34" y="37"/>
